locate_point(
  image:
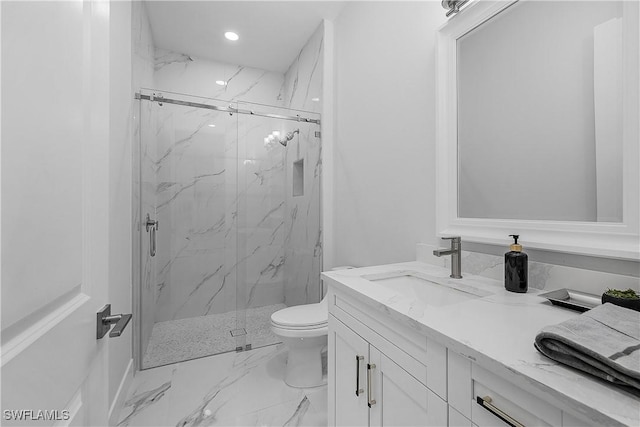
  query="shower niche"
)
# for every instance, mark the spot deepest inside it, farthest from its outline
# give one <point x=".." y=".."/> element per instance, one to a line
<point x="233" y="242"/>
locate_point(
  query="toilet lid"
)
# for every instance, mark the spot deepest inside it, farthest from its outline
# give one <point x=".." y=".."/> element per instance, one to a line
<point x="307" y="315"/>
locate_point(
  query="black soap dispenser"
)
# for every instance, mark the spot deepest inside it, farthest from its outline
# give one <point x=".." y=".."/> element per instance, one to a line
<point x="515" y="268"/>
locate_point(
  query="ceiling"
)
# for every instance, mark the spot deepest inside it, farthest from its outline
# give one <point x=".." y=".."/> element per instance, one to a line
<point x="272" y="33"/>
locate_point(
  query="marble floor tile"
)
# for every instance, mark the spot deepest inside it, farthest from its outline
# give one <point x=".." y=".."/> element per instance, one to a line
<point x="147" y="402"/>
<point x="231" y="389"/>
<point x="292" y="413"/>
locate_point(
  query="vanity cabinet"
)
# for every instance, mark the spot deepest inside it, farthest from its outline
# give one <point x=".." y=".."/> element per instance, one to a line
<point x="430" y="360"/>
<point x="375" y="381"/>
<point x="382" y="372"/>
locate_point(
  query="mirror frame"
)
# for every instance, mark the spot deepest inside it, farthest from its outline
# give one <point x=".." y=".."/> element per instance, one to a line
<point x="610" y="240"/>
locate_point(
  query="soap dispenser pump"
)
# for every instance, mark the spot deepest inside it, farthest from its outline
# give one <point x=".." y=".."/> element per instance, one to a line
<point x="515" y="268"/>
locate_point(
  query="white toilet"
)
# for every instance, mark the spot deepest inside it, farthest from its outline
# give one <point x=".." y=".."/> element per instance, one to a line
<point x="303" y="329"/>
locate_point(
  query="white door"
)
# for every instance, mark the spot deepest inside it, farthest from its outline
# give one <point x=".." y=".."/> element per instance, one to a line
<point x="55" y="132"/>
<point x="349" y="354"/>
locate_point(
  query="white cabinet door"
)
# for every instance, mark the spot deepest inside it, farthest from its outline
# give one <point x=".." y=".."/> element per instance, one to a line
<point x="55" y="234"/>
<point x="349" y="354"/>
<point x="400" y="399"/>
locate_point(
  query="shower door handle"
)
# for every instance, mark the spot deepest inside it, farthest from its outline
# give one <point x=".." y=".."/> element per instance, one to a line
<point x="152" y="227"/>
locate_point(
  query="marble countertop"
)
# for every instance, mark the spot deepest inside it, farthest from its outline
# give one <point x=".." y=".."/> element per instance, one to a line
<point x="497" y="332"/>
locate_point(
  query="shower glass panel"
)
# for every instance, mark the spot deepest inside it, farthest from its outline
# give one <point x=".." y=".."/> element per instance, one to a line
<point x="189" y="185"/>
<point x="238" y="234"/>
<point x="279" y="234"/>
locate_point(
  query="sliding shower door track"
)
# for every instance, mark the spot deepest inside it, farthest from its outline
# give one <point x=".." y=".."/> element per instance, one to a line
<point x="161" y="99"/>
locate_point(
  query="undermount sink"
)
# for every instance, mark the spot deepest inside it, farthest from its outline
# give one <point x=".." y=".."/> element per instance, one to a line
<point x="433" y="291"/>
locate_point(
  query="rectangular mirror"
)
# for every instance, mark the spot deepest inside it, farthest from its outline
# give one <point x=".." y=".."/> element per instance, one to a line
<point x="538" y="125"/>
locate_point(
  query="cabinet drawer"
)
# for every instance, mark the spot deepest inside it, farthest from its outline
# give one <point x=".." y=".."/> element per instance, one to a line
<point x="495" y="401"/>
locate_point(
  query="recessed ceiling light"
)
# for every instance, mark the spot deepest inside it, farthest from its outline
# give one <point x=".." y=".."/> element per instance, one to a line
<point x="230" y="35"/>
<point x="212" y="125"/>
<point x="315" y="99"/>
<point x="221" y="82"/>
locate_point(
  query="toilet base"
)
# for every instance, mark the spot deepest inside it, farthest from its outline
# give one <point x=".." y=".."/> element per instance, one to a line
<point x="304" y="361"/>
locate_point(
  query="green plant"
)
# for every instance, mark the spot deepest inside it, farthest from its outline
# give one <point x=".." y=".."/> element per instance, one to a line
<point x="628" y="294"/>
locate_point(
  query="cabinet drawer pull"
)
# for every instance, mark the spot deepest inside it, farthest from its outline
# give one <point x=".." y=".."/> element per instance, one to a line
<point x="485" y="402"/>
<point x="370" y="401"/>
<point x="359" y="391"/>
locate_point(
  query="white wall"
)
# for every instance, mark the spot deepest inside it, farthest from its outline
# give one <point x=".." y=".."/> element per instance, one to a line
<point x="385" y="130"/>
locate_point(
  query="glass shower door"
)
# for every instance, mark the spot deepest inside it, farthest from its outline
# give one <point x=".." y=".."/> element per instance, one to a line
<point x="236" y="198"/>
<point x="188" y="168"/>
<point x="279" y="233"/>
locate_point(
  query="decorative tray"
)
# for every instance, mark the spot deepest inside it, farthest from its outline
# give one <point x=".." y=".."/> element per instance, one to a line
<point x="575" y="300"/>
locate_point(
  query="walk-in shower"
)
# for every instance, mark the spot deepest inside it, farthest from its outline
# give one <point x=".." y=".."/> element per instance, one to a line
<point x="228" y="225"/>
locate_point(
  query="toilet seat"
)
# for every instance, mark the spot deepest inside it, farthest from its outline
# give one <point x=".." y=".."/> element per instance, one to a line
<point x="301" y="321"/>
<point x="300" y="333"/>
<point x="308" y="316"/>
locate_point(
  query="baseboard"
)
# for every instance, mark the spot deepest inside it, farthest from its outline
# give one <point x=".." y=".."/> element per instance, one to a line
<point x="121" y="394"/>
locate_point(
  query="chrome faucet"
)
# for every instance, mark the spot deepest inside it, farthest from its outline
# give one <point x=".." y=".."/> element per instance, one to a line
<point x="455" y="251"/>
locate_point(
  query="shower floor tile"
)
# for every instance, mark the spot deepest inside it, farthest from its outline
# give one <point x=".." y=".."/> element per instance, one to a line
<point x="185" y="339"/>
<point x="231" y="389"/>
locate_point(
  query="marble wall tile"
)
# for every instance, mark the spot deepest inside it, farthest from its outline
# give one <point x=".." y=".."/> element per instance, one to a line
<point x="303" y="79"/>
<point x="179" y="73"/>
<point x="196" y="204"/>
<point x="142" y="48"/>
<point x="303" y="225"/>
<point x="261" y="211"/>
<point x="301" y="286"/>
<point x="208" y="207"/>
